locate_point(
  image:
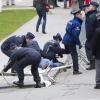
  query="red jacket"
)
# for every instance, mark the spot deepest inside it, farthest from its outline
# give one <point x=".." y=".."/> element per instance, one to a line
<point x="87" y="2"/>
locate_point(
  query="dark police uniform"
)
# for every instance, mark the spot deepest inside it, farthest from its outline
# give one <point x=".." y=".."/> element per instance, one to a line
<point x="71" y="39"/>
<point x="5" y="47"/>
<point x="34" y="44"/>
<point x="90" y="26"/>
<point x="24" y="57"/>
<point x="15" y="40"/>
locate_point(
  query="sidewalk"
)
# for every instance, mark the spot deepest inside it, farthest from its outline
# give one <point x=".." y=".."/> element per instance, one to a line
<point x="68" y="86"/>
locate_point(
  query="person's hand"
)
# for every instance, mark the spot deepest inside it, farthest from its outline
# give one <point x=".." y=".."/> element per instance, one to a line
<point x="80" y="46"/>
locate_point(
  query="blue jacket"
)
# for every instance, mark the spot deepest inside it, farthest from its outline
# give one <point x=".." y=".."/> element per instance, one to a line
<point x="73" y="29"/>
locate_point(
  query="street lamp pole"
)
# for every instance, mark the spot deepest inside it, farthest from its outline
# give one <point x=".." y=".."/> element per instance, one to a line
<point x="0" y="5"/>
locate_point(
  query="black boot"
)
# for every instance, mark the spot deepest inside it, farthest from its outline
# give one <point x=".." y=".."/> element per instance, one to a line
<point x="76" y="72"/>
<point x="19" y="84"/>
<point x="39" y="85"/>
<point x="92" y="65"/>
<point x="97" y="87"/>
<point x="90" y="68"/>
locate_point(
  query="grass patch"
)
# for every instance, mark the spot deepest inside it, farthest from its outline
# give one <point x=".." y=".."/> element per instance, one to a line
<point x="11" y="20"/>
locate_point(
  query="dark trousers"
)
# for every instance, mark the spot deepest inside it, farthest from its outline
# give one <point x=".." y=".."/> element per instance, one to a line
<point x="73" y="51"/>
<point x="24" y="62"/>
<point x="42" y="15"/>
<point x="6" y="51"/>
<point x="97" y="66"/>
<point x="89" y="54"/>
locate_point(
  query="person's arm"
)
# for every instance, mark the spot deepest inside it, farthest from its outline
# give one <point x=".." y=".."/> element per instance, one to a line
<point x="75" y="33"/>
<point x="95" y="41"/>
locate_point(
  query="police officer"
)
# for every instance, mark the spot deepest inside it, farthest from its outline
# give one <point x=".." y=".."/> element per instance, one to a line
<point x="19" y="41"/>
<point x="96" y="53"/>
<point x="71" y="38"/>
<point x="23" y="41"/>
<point x="21" y="58"/>
<point x="90" y="31"/>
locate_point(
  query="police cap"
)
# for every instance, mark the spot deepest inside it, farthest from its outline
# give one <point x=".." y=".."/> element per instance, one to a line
<point x="75" y="11"/>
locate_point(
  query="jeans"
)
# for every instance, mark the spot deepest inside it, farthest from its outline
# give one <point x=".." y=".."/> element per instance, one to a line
<point x="42" y="15"/>
<point x="49" y="63"/>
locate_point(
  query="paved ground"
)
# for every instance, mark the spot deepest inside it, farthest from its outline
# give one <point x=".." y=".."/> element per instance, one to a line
<point x="68" y="86"/>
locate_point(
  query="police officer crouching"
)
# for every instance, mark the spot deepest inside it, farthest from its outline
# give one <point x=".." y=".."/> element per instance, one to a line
<point x="71" y="38"/>
<point x="19" y="41"/>
<point x="21" y="58"/>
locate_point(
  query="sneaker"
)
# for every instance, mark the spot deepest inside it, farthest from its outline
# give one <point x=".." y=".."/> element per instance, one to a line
<point x="19" y="84"/>
<point x="97" y="87"/>
<point x="76" y="72"/>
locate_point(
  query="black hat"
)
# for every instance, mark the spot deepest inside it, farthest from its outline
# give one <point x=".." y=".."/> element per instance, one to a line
<point x="30" y="35"/>
<point x="57" y="36"/>
<point x="75" y="11"/>
<point x="95" y="4"/>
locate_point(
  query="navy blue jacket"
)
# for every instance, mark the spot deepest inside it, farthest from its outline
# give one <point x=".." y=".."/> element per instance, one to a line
<point x="73" y="29"/>
<point x="49" y="52"/>
<point x="90" y="25"/>
<point x="34" y="44"/>
<point x="22" y="52"/>
<point x="17" y="40"/>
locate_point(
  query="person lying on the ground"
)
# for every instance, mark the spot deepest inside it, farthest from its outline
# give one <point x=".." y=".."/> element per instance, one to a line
<point x="44" y="63"/>
<point x="52" y="48"/>
<point x="21" y="58"/>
